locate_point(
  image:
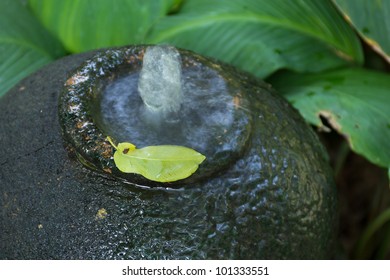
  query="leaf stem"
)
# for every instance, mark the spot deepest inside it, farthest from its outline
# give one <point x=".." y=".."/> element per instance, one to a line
<point x="374" y="226"/>
<point x="109" y="139"/>
<point x="384" y="247"/>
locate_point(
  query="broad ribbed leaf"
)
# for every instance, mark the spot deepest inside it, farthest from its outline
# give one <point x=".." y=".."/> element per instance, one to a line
<point x="24" y="44"/>
<point x="165" y="163"/>
<point x="90" y="24"/>
<point x="372" y="20"/>
<point x="261" y="36"/>
<point x="356" y="103"/>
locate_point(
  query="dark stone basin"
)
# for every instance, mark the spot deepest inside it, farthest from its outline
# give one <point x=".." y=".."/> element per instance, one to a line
<point x="266" y="194"/>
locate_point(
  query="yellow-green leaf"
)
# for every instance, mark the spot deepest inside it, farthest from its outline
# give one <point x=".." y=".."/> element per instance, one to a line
<point x="165" y="163"/>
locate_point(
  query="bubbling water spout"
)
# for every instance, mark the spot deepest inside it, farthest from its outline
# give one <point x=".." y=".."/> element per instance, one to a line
<point x="160" y="83"/>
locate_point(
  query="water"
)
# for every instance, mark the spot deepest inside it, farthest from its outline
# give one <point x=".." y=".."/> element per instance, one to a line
<point x="160" y="83"/>
<point x="197" y="108"/>
<point x="204" y="115"/>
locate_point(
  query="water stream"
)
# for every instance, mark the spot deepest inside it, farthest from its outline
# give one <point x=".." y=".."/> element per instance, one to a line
<point x="160" y="83"/>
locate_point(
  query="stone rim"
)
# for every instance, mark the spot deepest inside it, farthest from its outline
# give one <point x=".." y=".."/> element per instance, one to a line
<point x="88" y="142"/>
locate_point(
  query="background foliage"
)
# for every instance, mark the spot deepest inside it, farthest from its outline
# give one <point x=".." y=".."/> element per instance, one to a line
<point x="313" y="52"/>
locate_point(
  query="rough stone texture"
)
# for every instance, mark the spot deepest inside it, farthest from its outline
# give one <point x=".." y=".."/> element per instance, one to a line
<point x="277" y="202"/>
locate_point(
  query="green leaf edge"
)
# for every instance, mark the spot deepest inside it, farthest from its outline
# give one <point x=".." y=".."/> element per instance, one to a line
<point x="316" y="121"/>
<point x="110" y="140"/>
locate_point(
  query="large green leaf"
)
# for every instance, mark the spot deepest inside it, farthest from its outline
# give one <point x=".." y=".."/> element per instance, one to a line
<point x="372" y="20"/>
<point x="90" y="24"/>
<point x="356" y="103"/>
<point x="261" y="36"/>
<point x="24" y="44"/>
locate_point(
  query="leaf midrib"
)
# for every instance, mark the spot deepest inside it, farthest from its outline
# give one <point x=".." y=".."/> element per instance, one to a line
<point x="247" y="17"/>
<point x="160" y="159"/>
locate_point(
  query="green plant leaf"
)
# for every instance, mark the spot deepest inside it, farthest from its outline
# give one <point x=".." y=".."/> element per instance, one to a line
<point x="83" y="25"/>
<point x="25" y="45"/>
<point x="372" y="20"/>
<point x="356" y="103"/>
<point x="262" y="36"/>
<point x="165" y="163"/>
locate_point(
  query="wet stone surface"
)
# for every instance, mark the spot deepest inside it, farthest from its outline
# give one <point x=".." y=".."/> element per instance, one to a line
<point x="266" y="191"/>
<point x="102" y="99"/>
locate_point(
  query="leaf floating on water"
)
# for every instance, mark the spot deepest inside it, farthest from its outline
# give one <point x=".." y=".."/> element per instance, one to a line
<point x="165" y="163"/>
